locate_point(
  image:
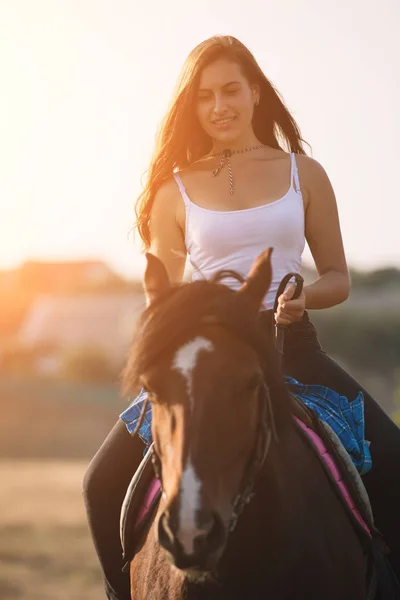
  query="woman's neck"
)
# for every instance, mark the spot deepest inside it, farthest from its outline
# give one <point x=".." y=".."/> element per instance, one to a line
<point x="240" y="143"/>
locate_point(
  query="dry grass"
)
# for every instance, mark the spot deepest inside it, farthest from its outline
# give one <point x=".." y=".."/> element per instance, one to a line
<point x="41" y="492"/>
<point x="45" y="549"/>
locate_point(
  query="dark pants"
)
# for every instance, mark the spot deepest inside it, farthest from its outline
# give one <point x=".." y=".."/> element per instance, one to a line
<point x="112" y="468"/>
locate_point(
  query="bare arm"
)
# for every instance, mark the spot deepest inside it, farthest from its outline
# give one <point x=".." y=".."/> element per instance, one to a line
<point x="167" y="238"/>
<point x="324" y="239"/>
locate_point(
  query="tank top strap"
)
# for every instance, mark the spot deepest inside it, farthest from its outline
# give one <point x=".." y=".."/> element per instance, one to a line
<point x="294" y="173"/>
<point x="182" y="189"/>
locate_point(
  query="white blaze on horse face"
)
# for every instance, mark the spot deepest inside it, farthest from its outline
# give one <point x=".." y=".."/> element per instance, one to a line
<point x="185" y="362"/>
<point x="190" y="504"/>
<point x="186" y="358"/>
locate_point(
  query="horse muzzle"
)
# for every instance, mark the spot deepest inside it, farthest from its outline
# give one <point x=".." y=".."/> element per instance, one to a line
<point x="194" y="548"/>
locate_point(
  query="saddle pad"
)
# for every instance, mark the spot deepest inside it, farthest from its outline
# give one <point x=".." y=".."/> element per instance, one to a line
<point x="140" y="500"/>
<point x="326" y="457"/>
<point x="148" y="503"/>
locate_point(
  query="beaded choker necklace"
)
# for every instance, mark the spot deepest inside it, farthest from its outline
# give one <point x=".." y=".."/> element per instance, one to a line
<point x="226" y="156"/>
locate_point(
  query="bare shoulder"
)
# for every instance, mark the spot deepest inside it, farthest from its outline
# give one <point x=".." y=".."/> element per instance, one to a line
<point x="310" y="167"/>
<point x="313" y="178"/>
<point x="310" y="170"/>
<point x="167" y="195"/>
<point x="168" y="204"/>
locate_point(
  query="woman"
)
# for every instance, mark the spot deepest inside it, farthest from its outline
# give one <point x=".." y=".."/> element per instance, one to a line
<point x="222" y="189"/>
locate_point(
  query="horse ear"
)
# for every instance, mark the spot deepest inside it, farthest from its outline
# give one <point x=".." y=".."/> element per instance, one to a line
<point x="156" y="280"/>
<point x="258" y="281"/>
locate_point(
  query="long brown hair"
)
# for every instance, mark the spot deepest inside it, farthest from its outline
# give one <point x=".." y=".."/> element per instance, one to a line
<point x="181" y="140"/>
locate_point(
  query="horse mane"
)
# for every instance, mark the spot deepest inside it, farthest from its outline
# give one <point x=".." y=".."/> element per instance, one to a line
<point x="172" y="318"/>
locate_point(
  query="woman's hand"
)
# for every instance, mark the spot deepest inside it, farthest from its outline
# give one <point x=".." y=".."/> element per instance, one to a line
<point x="289" y="310"/>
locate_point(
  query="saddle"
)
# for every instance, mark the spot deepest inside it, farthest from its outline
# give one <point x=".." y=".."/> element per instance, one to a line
<point x="337" y="465"/>
<point x="139" y="506"/>
<point x="347" y="483"/>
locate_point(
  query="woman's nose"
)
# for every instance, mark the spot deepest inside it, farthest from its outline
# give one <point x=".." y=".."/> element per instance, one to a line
<point x="219" y="104"/>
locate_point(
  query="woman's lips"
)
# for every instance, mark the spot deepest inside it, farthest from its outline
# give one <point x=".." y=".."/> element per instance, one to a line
<point x="223" y="123"/>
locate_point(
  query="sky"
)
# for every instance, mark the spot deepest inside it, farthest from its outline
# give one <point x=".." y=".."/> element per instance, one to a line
<point x="84" y="85"/>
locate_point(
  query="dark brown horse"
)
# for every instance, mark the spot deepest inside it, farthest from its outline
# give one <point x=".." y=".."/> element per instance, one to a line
<point x="247" y="510"/>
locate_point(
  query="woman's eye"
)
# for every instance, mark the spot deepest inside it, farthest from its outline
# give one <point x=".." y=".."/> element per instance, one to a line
<point x="232" y="92"/>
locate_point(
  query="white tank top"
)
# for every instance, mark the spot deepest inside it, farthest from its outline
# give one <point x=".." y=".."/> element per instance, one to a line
<point x="232" y="239"/>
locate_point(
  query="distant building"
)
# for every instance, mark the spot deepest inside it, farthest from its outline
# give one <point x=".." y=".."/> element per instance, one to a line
<point x="104" y="323"/>
<point x="58" y="277"/>
<point x="20" y="287"/>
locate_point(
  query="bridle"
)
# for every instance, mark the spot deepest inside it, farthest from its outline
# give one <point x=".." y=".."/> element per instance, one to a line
<point x="266" y="429"/>
<point x="266" y="433"/>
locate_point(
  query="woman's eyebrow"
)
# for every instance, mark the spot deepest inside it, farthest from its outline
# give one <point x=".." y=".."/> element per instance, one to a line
<point x="224" y="86"/>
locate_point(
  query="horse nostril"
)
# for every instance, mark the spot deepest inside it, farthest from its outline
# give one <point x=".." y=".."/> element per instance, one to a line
<point x="166" y="536"/>
<point x="212" y="531"/>
<point x="206" y="519"/>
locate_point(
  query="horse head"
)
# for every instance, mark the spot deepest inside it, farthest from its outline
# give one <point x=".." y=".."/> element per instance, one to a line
<point x="205" y="364"/>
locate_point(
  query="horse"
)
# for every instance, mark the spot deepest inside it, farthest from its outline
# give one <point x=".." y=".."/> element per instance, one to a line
<point x="247" y="511"/>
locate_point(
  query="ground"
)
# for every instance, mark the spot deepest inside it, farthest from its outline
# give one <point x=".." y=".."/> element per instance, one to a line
<point x="45" y="549"/>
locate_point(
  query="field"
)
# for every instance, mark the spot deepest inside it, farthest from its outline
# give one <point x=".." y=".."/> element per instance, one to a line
<point x="49" y="430"/>
<point x="45" y="548"/>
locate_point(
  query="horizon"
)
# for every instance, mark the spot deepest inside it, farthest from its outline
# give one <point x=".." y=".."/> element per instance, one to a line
<point x="85" y="88"/>
<point x="136" y="277"/>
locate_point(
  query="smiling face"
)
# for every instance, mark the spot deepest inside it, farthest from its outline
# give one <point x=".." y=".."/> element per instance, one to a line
<point x="225" y="102"/>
